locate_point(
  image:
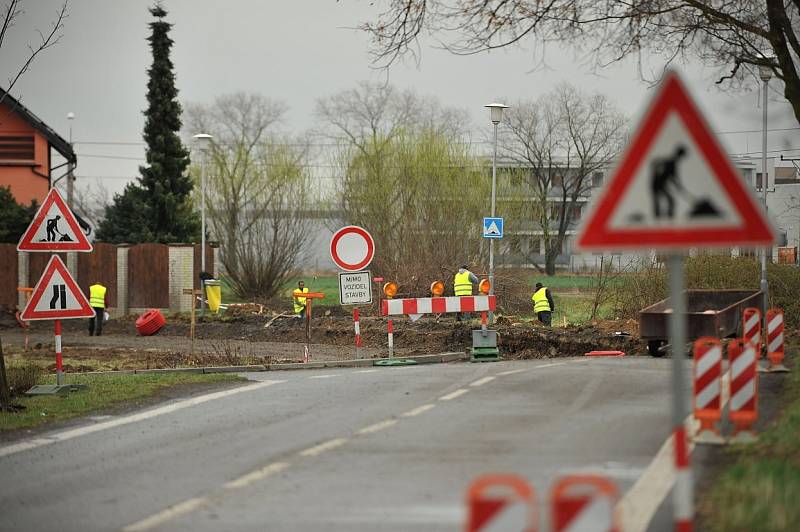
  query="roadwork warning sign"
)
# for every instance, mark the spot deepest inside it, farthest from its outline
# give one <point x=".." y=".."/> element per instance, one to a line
<point x="355" y="288"/>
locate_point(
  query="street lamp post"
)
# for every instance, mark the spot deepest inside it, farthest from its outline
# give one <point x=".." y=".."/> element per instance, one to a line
<point x="496" y="110"/>
<point x="204" y="143"/>
<point x="765" y="73"/>
<point x="70" y="167"/>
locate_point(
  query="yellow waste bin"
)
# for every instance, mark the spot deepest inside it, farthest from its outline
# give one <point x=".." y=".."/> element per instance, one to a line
<point x="213" y="294"/>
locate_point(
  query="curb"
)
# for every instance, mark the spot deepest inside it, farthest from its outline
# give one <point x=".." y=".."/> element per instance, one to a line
<point x="441" y="358"/>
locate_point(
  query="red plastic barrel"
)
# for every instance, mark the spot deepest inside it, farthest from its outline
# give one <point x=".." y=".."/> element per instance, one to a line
<point x="150" y="322"/>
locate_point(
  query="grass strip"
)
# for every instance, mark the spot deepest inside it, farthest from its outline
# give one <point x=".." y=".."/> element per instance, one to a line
<point x="761" y="489"/>
<point x="103" y="391"/>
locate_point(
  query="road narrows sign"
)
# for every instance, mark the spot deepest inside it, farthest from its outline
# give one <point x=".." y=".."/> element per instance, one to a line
<point x="674" y="186"/>
<point x="352" y="248"/>
<point x="57" y="296"/>
<point x="54" y="228"/>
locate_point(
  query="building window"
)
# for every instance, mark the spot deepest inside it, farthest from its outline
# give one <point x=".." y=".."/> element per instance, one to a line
<point x="16" y="148"/>
<point x="597" y="179"/>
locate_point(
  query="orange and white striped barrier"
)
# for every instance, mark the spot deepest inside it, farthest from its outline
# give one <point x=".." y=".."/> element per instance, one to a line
<point x="584" y="503"/>
<point x="390" y="334"/>
<point x="357" y="327"/>
<point x="775" y="350"/>
<point x="504" y="503"/>
<point x="751" y="327"/>
<point x="743" y="405"/>
<point x="437" y="305"/>
<point x="707" y="398"/>
<point x="683" y="492"/>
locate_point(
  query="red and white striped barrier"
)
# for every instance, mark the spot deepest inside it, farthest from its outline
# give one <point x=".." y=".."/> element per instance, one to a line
<point x="743" y="406"/>
<point x="501" y="503"/>
<point x="707" y="379"/>
<point x="584" y="503"/>
<point x="775" y="352"/>
<point x="357" y="327"/>
<point x="437" y="305"/>
<point x="751" y="322"/>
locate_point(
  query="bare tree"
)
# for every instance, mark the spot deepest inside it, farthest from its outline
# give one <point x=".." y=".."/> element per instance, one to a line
<point x="257" y="191"/>
<point x="558" y="143"/>
<point x="735" y="36"/>
<point x="10" y="13"/>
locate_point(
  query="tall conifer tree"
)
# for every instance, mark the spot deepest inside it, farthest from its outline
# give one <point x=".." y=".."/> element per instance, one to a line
<point x="157" y="208"/>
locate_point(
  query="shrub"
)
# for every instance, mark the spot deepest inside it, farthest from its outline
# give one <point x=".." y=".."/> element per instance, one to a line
<point x="22" y="378"/>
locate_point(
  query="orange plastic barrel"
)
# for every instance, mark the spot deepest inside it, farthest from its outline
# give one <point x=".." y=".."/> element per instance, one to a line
<point x="150" y="322"/>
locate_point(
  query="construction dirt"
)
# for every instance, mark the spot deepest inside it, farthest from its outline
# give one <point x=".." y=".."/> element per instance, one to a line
<point x="258" y="339"/>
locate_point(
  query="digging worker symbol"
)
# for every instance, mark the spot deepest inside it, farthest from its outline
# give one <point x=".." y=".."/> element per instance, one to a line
<point x="665" y="181"/>
<point x="52" y="228"/>
<point x="664" y="178"/>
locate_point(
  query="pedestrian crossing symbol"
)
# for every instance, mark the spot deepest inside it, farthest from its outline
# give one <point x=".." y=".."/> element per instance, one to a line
<point x="492" y="228"/>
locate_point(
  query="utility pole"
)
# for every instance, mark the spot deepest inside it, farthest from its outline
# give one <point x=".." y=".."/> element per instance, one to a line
<point x="765" y="73"/>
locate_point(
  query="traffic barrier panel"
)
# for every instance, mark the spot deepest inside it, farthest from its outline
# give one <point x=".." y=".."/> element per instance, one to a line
<point x="751" y="327"/>
<point x="775" y="352"/>
<point x="707" y="398"/>
<point x="605" y="354"/>
<point x="501" y="503"/>
<point x="584" y="503"/>
<point x="743" y="405"/>
<point x="437" y="305"/>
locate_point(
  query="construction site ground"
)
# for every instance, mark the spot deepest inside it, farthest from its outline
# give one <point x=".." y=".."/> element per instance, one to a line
<point x="243" y="339"/>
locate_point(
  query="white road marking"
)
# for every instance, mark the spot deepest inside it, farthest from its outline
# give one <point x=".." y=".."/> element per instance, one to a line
<point x="366" y="371"/>
<point x="378" y="426"/>
<point x="133" y="418"/>
<point x="511" y="372"/>
<point x="324" y="376"/>
<point x="166" y="515"/>
<point x="638" y="506"/>
<point x="419" y="410"/>
<point x="481" y="382"/>
<point x="255" y="476"/>
<point x="453" y="395"/>
<point x="322" y="447"/>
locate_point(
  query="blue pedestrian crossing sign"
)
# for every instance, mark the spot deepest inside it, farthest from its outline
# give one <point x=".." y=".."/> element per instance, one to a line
<point x="492" y="228"/>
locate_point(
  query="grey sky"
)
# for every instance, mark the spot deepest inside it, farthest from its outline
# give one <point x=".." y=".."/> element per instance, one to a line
<point x="297" y="52"/>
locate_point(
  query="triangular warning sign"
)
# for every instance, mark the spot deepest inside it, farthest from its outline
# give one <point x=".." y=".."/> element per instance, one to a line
<point x="674" y="186"/>
<point x="54" y="228"/>
<point x="484" y="510"/>
<point x="57" y="296"/>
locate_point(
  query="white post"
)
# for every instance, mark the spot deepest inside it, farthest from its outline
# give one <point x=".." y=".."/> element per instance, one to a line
<point x="767" y="249"/>
<point x="491" y="240"/>
<point x="202" y="231"/>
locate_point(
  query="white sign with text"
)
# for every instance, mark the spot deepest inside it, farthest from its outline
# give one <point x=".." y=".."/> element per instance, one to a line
<point x="355" y="288"/>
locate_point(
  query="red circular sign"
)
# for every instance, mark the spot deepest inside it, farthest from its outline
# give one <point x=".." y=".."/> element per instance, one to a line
<point x="352" y="248"/>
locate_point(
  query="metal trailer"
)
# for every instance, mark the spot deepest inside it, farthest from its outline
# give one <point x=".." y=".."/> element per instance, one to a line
<point x="715" y="313"/>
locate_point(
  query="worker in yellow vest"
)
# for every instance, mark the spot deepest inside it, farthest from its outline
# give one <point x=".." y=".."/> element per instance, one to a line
<point x="99" y="301"/>
<point x="298" y="301"/>
<point x="543" y="305"/>
<point x="462" y="286"/>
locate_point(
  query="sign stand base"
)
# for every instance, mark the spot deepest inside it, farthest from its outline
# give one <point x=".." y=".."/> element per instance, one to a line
<point x="55" y="389"/>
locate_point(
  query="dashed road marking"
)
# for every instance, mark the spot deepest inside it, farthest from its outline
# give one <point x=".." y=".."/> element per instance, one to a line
<point x="133" y="418"/>
<point x="453" y="395"/>
<point x="419" y="410"/>
<point x="378" y="426"/>
<point x="166" y="515"/>
<point x="322" y="447"/>
<point x="255" y="476"/>
<point x="512" y="372"/>
<point x="481" y="382"/>
<point x="324" y="376"/>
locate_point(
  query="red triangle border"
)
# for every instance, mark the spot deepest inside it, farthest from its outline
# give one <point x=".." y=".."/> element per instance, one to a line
<point x="81" y="243"/>
<point x="56" y="264"/>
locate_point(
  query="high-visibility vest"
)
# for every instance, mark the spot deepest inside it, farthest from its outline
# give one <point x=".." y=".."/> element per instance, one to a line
<point x="540" y="302"/>
<point x="97" y="296"/>
<point x="462" y="286"/>
<point x="299" y="302"/>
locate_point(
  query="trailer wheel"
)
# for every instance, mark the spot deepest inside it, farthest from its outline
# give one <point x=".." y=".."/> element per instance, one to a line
<point x="654" y="348"/>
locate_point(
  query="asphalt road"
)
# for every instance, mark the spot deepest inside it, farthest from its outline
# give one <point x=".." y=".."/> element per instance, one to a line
<point x="389" y="449"/>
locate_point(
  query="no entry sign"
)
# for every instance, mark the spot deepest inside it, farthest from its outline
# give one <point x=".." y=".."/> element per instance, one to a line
<point x="352" y="248"/>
